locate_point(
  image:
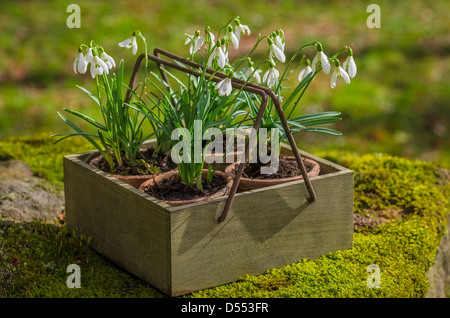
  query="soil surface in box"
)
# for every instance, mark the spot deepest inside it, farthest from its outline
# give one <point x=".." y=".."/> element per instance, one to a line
<point x="149" y="164"/>
<point x="287" y="168"/>
<point x="173" y="189"/>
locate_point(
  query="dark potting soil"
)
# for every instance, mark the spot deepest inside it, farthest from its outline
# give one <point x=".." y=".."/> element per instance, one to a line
<point x="150" y="164"/>
<point x="173" y="189"/>
<point x="288" y="167"/>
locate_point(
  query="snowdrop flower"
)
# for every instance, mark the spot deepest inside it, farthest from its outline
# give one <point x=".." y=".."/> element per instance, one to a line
<point x="98" y="67"/>
<point x="251" y="73"/>
<point x="270" y="77"/>
<point x="321" y="60"/>
<point x="304" y="72"/>
<point x="107" y="59"/>
<point x="80" y="64"/>
<point x="339" y="72"/>
<point x="231" y="36"/>
<point x="208" y="37"/>
<point x="196" y="42"/>
<point x="275" y="51"/>
<point x="130" y="43"/>
<point x="279" y="39"/>
<point x="240" y="29"/>
<point x="219" y="55"/>
<point x="349" y="64"/>
<point x="224" y="87"/>
<point x="89" y="57"/>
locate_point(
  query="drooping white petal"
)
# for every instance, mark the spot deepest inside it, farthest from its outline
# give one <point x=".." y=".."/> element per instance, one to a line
<point x="237" y="34"/>
<point x="279" y="43"/>
<point x="221" y="61"/>
<point x="219" y="84"/>
<point x="199" y="42"/>
<point x="230" y="35"/>
<point x="325" y="63"/>
<point x="89" y="56"/>
<point x="270" y="77"/>
<point x="93" y="73"/>
<point x="244" y="29"/>
<point x="134" y="44"/>
<point x="274" y="50"/>
<point x="304" y="72"/>
<point x="99" y="63"/>
<point x="339" y="72"/>
<point x="224" y="87"/>
<point x="75" y="63"/>
<point x="314" y="62"/>
<point x="266" y="74"/>
<point x="333" y="79"/>
<point x="82" y="64"/>
<point x="126" y="43"/>
<point x="108" y="60"/>
<point x="344" y="75"/>
<point x="210" y="59"/>
<point x="257" y="77"/>
<point x="227" y="87"/>
<point x="212" y="37"/>
<point x="271" y="81"/>
<point x="350" y="66"/>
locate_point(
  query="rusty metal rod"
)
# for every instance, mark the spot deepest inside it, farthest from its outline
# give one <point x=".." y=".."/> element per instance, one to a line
<point x="236" y="83"/>
<point x="312" y="194"/>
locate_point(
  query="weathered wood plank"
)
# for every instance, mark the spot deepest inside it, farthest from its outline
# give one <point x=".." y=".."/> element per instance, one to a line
<point x="182" y="249"/>
<point x="263" y="230"/>
<point x="124" y="224"/>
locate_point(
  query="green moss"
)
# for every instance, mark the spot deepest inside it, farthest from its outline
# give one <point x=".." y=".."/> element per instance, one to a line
<point x="44" y="158"/>
<point x="34" y="259"/>
<point x="404" y="249"/>
<point x="34" y="256"/>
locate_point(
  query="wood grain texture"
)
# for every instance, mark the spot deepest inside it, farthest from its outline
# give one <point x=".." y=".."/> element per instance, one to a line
<point x="183" y="249"/>
<point x="125" y="225"/>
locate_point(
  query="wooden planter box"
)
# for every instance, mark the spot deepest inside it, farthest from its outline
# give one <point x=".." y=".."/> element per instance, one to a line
<point x="184" y="249"/>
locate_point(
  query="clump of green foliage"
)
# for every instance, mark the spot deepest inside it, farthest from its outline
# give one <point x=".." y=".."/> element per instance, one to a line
<point x="34" y="256"/>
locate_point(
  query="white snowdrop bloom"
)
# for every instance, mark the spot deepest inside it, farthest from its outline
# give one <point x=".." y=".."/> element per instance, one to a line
<point x="241" y="29"/>
<point x="321" y="60"/>
<point x="270" y="77"/>
<point x="224" y="87"/>
<point x="80" y="64"/>
<point x="218" y="55"/>
<point x="89" y="57"/>
<point x="196" y="42"/>
<point x="207" y="38"/>
<point x="108" y="60"/>
<point x="339" y="72"/>
<point x="130" y="43"/>
<point x="275" y="51"/>
<point x="279" y="42"/>
<point x="349" y="66"/>
<point x="230" y="35"/>
<point x="251" y="73"/>
<point x="98" y="67"/>
<point x="304" y="72"/>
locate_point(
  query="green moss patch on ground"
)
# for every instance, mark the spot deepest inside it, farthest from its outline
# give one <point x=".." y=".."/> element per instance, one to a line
<point x="44" y="158"/>
<point x="407" y="199"/>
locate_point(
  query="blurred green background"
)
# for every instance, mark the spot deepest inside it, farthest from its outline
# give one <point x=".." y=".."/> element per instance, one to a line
<point x="398" y="103"/>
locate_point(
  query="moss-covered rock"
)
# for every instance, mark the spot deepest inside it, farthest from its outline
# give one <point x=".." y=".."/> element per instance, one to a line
<point x="43" y="156"/>
<point x="407" y="199"/>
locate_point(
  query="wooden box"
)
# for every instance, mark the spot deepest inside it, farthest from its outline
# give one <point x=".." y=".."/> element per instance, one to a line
<point x="184" y="249"/>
